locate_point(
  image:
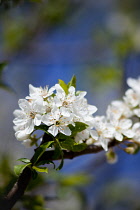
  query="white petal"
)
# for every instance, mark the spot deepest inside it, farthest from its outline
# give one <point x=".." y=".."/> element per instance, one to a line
<point x="125" y="124"/>
<point x="21" y="135"/>
<point x="27" y="143"/>
<point x="118" y="136"/>
<point x="46" y="120"/>
<point x="24" y="105"/>
<point x="32" y="89"/>
<point x="30" y="126"/>
<point x="104" y="143"/>
<point x="53" y="130"/>
<point x="94" y="134"/>
<point x="37" y="119"/>
<point x="137" y="112"/>
<point x="136" y="126"/>
<point x="65" y="130"/>
<point x="129" y="133"/>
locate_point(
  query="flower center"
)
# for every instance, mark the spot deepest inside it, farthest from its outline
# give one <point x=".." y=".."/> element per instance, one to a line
<point x="65" y="103"/>
<point x="57" y="123"/>
<point x="32" y="115"/>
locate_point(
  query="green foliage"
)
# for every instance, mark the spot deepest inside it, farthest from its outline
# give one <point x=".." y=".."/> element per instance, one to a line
<point x="19" y="168"/>
<point x="39" y="151"/>
<point x="24" y="160"/>
<point x="70" y="144"/>
<point x="40" y="169"/>
<point x="63" y="85"/>
<point x="58" y="153"/>
<point x="66" y="86"/>
<point x="79" y="126"/>
<point x="72" y="82"/>
<point x="79" y="147"/>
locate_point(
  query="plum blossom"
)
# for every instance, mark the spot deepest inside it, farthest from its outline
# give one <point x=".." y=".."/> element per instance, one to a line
<point x="136" y="130"/>
<point x="104" y="132"/>
<point x="58" y="107"/>
<point x="58" y="120"/>
<point x="38" y="92"/>
<point x="134" y="84"/>
<point x="131" y="98"/>
<point x="28" y="116"/>
<point x="122" y="127"/>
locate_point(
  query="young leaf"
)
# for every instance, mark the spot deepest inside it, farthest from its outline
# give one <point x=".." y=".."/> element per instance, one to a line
<point x="72" y="82"/>
<point x="43" y="162"/>
<point x="24" y="160"/>
<point x="79" y="126"/>
<point x="61" y="164"/>
<point x="58" y="153"/>
<point x="19" y="168"/>
<point x="63" y="85"/>
<point x="40" y="150"/>
<point x="79" y="147"/>
<point x="67" y="144"/>
<point x="34" y="174"/>
<point x="40" y="169"/>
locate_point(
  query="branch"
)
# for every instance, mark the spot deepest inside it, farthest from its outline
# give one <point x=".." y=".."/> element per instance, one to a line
<point x="91" y="149"/>
<point x="20" y="186"/>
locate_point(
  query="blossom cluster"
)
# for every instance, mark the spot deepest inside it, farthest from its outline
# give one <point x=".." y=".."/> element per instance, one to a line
<point x="53" y="107"/>
<point x="58" y="108"/>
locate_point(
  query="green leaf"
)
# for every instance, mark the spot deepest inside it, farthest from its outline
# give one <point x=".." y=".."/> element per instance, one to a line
<point x="34" y="174"/>
<point x="79" y="126"/>
<point x="61" y="164"/>
<point x="19" y="168"/>
<point x="67" y="144"/>
<point x="40" y="169"/>
<point x="72" y="82"/>
<point x="42" y="127"/>
<point x="58" y="153"/>
<point x="39" y="151"/>
<point x="63" y="85"/>
<point x="24" y="160"/>
<point x="43" y="162"/>
<point x="79" y="147"/>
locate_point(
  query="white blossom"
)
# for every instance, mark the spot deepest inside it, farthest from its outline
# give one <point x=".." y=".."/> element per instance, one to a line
<point x="38" y="92"/>
<point x="29" y="115"/>
<point x="104" y="131"/>
<point x="134" y="84"/>
<point x="118" y="109"/>
<point x="58" y="108"/>
<point x="136" y="130"/>
<point x="131" y="98"/>
<point x="122" y="127"/>
<point x="58" y="120"/>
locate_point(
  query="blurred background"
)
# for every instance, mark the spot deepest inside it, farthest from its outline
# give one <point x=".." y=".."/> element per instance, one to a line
<point x="42" y="41"/>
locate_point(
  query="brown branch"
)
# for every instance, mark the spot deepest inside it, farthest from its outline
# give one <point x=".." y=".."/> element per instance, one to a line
<point x="20" y="186"/>
<point x="17" y="190"/>
<point x="91" y="149"/>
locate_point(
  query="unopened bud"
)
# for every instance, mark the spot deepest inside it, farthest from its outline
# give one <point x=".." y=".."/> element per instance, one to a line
<point x="132" y="149"/>
<point x="111" y="157"/>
